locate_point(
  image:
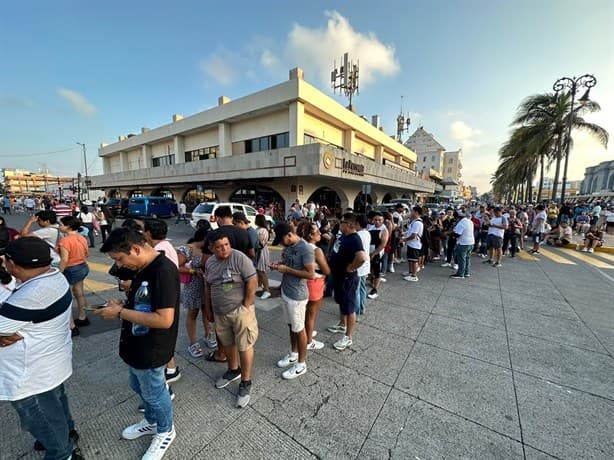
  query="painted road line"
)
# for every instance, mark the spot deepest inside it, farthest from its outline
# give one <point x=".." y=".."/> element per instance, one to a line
<point x="101" y="268"/>
<point x="555" y="257"/>
<point x="526" y="256"/>
<point x="589" y="259"/>
<point x="603" y="255"/>
<point x="97" y="286"/>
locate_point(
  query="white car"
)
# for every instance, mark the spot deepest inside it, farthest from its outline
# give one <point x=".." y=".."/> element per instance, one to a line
<point x="206" y="211"/>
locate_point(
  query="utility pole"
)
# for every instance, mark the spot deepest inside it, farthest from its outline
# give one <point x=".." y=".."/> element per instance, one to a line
<point x="86" y="183"/>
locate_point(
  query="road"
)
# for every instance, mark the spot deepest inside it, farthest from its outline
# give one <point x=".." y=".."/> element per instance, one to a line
<point x="516" y="362"/>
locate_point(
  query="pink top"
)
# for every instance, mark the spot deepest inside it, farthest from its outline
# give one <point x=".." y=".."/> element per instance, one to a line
<point x="169" y="251"/>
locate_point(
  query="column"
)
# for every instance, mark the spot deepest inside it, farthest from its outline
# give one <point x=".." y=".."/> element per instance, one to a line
<point x="123" y="161"/>
<point x="178" y="147"/>
<point x="379" y="154"/>
<point x="224" y="139"/>
<point x="296" y="116"/>
<point x="145" y="157"/>
<point x="348" y="140"/>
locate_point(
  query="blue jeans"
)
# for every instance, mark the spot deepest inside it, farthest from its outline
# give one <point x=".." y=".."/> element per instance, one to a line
<point x="362" y="295"/>
<point x="463" y="258"/>
<point x="385" y="260"/>
<point x="150" y="385"/>
<point x="47" y="417"/>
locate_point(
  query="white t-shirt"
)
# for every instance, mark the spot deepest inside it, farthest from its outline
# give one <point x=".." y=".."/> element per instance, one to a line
<point x="540" y="228"/>
<point x="499" y="232"/>
<point x="182" y="208"/>
<point x="86" y="218"/>
<point x="169" y="251"/>
<point x="28" y="203"/>
<point x="464" y="228"/>
<point x="50" y="235"/>
<point x="43" y="359"/>
<point x="365" y="237"/>
<point x="416" y="226"/>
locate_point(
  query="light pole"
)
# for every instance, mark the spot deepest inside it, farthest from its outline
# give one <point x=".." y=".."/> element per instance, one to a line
<point x="573" y="85"/>
<point x="86" y="175"/>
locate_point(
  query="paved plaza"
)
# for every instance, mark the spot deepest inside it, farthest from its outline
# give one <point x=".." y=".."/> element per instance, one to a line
<point x="516" y="362"/>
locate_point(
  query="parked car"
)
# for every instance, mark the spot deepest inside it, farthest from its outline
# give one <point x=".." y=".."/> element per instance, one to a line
<point x="152" y="206"/>
<point x="118" y="206"/>
<point x="206" y="211"/>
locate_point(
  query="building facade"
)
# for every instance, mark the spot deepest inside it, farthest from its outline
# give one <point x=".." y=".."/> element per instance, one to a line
<point x="598" y="179"/>
<point x="285" y="143"/>
<point x="429" y="152"/>
<point x="21" y="182"/>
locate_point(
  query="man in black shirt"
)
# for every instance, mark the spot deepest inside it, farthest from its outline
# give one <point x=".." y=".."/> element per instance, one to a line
<point x="147" y="355"/>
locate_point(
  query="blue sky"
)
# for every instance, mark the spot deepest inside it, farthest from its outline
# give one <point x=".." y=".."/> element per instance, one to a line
<point x="87" y="72"/>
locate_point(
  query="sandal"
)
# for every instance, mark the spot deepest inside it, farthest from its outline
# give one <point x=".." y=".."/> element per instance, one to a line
<point x="212" y="358"/>
<point x="195" y="350"/>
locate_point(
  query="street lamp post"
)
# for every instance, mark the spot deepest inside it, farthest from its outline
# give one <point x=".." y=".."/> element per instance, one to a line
<point x="573" y="85"/>
<point x="86" y="175"/>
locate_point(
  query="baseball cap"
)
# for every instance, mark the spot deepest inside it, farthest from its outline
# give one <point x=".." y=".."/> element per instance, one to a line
<point x="240" y="217"/>
<point x="281" y="230"/>
<point x="29" y="252"/>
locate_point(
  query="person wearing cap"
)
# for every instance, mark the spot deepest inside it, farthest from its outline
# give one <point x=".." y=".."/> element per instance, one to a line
<point x="36" y="347"/>
<point x="297" y="266"/>
<point x="465" y="241"/>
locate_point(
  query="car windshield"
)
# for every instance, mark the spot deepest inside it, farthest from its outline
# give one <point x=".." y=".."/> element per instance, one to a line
<point x="204" y="208"/>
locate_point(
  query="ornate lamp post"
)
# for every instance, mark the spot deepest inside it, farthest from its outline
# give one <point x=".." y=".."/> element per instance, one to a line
<point x="573" y="85"/>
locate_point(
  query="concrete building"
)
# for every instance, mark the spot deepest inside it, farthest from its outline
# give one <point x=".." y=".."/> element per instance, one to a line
<point x="23" y="182"/>
<point x="599" y="178"/>
<point x="429" y="152"/>
<point x="284" y="143"/>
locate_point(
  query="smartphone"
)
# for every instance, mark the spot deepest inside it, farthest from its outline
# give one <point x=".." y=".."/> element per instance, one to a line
<point x="96" y="307"/>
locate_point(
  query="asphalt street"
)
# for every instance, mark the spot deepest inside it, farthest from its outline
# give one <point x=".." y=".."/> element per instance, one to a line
<point x="516" y="362"/>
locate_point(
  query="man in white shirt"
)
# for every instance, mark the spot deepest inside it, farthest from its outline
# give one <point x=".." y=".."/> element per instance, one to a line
<point x="496" y="230"/>
<point x="49" y="232"/>
<point x="182" y="210"/>
<point x="413" y="237"/>
<point x="29" y="205"/>
<point x="36" y="347"/>
<point x="363" y="271"/>
<point x="464" y="246"/>
<point x="538" y="227"/>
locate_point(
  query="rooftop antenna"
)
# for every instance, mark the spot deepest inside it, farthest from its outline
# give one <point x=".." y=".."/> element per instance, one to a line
<point x="403" y="123"/>
<point x="345" y="78"/>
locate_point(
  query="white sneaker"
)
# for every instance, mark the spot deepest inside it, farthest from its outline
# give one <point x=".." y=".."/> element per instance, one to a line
<point x="315" y="345"/>
<point x="391" y="269"/>
<point x="382" y="279"/>
<point x="265" y="295"/>
<point x="211" y="340"/>
<point x="294" y="372"/>
<point x="314" y="333"/>
<point x="455" y="266"/>
<point x="372" y="296"/>
<point x="445" y="264"/>
<point x="591" y="250"/>
<point x="143" y="428"/>
<point x="159" y="445"/>
<point x="584" y="249"/>
<point x="343" y="343"/>
<point x="410" y="278"/>
<point x="290" y="358"/>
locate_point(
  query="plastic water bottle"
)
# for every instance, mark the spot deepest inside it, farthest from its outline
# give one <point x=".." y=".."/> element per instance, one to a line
<point x="142" y="302"/>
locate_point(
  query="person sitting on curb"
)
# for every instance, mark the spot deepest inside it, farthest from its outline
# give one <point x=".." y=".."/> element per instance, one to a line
<point x="594" y="239"/>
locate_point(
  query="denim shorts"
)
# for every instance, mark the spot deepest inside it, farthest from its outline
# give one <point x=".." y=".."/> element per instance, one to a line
<point x="76" y="273"/>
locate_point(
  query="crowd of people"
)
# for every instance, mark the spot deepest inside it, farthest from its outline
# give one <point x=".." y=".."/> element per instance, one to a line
<point x="216" y="274"/>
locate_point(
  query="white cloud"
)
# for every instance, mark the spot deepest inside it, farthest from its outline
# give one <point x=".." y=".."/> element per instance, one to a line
<point x="464" y="134"/>
<point x="313" y="49"/>
<point x="77" y="101"/>
<point x="222" y="66"/>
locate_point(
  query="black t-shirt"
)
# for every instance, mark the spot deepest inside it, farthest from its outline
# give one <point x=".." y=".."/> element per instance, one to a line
<point x="349" y="245"/>
<point x="238" y="238"/>
<point x="157" y="347"/>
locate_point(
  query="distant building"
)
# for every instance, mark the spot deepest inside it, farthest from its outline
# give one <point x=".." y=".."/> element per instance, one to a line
<point x="24" y="182"/>
<point x="599" y="178"/>
<point x="452" y="165"/>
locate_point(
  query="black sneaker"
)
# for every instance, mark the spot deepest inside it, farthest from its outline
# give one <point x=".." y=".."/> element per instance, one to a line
<point x="243" y="395"/>
<point x="76" y="455"/>
<point x="82" y="322"/>
<point x="172" y="376"/>
<point x="73" y="435"/>
<point x="228" y="377"/>
<point x="457" y="277"/>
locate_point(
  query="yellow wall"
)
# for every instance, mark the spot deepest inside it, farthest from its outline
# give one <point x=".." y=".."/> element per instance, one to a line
<point x="265" y="125"/>
<point x="323" y="131"/>
<point x="364" y="148"/>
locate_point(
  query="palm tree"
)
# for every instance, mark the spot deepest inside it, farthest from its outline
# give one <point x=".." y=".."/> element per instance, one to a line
<point x="551" y="115"/>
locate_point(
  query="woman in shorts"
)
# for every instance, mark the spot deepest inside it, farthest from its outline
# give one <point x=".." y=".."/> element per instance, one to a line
<point x="73" y="251"/>
<point x="311" y="233"/>
<point x="192" y="287"/>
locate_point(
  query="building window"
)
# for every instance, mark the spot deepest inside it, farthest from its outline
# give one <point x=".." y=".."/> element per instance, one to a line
<point x="206" y="153"/>
<point x="163" y="161"/>
<point x="424" y="159"/>
<point x="449" y="170"/>
<point x="275" y="141"/>
<point x="308" y="139"/>
<point x="433" y="158"/>
<point x="451" y="160"/>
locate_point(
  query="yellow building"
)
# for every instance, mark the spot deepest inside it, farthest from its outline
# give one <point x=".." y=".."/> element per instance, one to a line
<point x="285" y="143"/>
<point x="22" y="182"/>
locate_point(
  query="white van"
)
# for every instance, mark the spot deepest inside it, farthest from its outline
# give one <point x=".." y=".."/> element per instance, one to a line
<point x="206" y="211"/>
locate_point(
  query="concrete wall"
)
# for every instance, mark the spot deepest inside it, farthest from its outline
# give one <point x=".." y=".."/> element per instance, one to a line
<point x="200" y="140"/>
<point x="323" y="131"/>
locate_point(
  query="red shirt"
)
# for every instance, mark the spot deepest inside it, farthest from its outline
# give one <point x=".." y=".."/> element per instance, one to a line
<point x="476" y="223"/>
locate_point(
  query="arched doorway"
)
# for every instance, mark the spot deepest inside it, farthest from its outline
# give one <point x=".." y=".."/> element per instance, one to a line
<point x="325" y="196"/>
<point x="387" y="198"/>
<point x="136" y="192"/>
<point x="260" y="196"/>
<point x="360" y="207"/>
<point x="114" y="194"/>
<point x="163" y="192"/>
<point x="196" y="195"/>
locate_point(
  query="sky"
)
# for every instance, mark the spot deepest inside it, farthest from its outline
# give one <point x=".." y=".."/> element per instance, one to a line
<point x="87" y="72"/>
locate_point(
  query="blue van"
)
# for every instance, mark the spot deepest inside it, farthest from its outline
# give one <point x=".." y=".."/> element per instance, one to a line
<point x="152" y="206"/>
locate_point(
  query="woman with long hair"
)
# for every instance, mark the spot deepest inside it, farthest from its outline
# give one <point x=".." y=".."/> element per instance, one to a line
<point x="311" y="233"/>
<point x="74" y="252"/>
<point x="262" y="256"/>
<point x="105" y="220"/>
